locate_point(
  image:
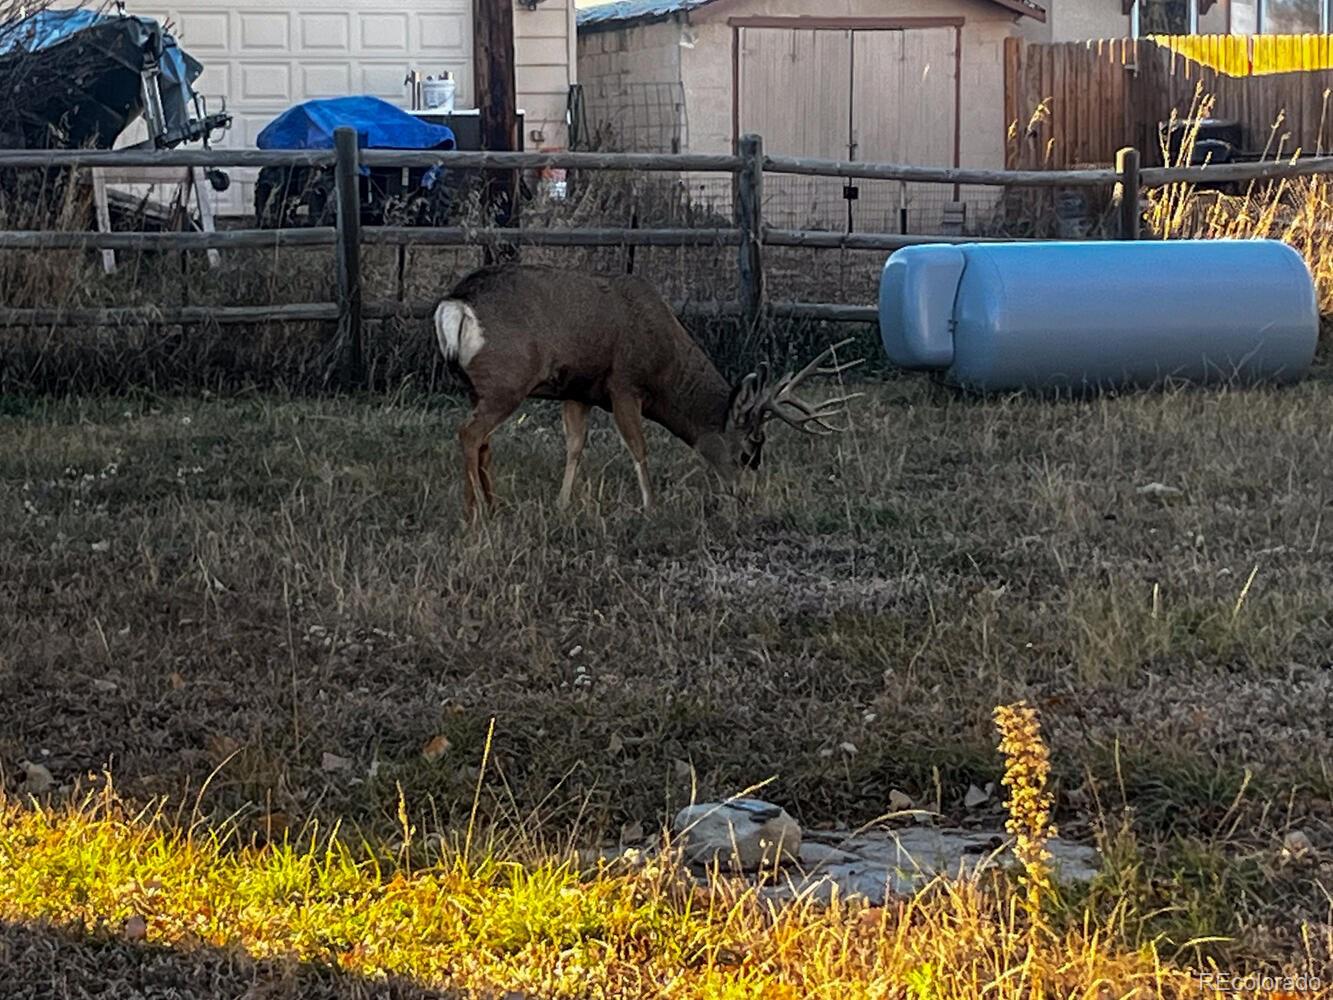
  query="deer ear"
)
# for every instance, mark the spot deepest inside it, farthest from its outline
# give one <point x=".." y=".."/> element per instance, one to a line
<point x="743" y="398"/>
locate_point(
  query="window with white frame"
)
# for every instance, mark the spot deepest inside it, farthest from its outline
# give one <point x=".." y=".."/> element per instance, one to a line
<point x="1292" y="17"/>
<point x="1245" y="17"/>
<point x="1165" y="17"/>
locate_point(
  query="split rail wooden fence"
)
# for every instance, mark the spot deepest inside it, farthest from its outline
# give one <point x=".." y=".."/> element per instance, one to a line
<point x="750" y="235"/>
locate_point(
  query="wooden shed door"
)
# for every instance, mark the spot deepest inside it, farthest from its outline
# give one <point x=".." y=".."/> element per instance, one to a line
<point x="904" y="110"/>
<point x="795" y="92"/>
<point x="865" y="94"/>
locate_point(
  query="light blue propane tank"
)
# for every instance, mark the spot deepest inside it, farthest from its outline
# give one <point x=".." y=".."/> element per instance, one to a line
<point x="999" y="317"/>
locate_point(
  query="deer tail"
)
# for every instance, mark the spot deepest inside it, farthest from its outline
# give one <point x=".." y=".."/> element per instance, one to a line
<point x="450" y="318"/>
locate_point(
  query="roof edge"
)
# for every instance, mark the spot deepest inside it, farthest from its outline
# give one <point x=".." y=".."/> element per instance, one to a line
<point x="606" y="17"/>
<point x="625" y="13"/>
<point x="1024" y="8"/>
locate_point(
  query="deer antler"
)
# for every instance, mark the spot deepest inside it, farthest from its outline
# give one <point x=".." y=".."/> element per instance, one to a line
<point x="780" y="400"/>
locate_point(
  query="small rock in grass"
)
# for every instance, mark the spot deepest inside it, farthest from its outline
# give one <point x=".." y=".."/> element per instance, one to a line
<point x="631" y="833"/>
<point x="977" y="797"/>
<point x="332" y="762"/>
<point x="136" y="928"/>
<point x="37" y="780"/>
<point x="746" y="833"/>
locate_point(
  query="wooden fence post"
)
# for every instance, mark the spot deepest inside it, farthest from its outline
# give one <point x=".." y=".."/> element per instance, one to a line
<point x="1127" y="193"/>
<point x="496" y="95"/>
<point x="750" y="221"/>
<point x="347" y="176"/>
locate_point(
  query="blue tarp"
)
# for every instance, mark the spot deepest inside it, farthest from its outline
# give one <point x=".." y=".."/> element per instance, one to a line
<point x="46" y="28"/>
<point x="378" y="124"/>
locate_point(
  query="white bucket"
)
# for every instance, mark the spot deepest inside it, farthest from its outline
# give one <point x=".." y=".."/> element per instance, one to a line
<point x="438" y="94"/>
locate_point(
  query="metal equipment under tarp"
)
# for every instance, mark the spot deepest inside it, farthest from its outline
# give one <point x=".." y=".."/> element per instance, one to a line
<point x="78" y="78"/>
<point x="293" y="196"/>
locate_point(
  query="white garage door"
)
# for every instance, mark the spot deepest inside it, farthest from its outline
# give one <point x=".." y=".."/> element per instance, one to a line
<point x="264" y="57"/>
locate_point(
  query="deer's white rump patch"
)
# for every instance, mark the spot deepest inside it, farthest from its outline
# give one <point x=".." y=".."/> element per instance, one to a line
<point x="458" y="331"/>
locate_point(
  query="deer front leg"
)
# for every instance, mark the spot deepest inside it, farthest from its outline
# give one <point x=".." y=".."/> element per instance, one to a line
<point x="575" y="416"/>
<point x="627" y="413"/>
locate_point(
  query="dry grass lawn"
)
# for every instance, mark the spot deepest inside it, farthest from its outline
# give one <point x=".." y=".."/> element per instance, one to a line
<point x="262" y="609"/>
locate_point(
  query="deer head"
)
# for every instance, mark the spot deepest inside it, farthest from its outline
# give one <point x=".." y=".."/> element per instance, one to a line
<point x="758" y="399"/>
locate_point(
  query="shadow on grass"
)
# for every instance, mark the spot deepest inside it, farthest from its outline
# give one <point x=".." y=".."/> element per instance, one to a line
<point x="38" y="962"/>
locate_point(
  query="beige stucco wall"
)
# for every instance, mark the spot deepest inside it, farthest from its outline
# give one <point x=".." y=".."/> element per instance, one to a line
<point x="1079" y="20"/>
<point x="545" y="64"/>
<point x="706" y="73"/>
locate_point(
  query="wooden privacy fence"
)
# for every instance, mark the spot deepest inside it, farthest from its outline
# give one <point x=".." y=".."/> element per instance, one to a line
<point x="750" y="235"/>
<point x="1074" y="103"/>
<point x="1252" y="55"/>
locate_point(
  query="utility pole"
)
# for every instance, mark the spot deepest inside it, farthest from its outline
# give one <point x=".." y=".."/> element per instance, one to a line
<point x="497" y="100"/>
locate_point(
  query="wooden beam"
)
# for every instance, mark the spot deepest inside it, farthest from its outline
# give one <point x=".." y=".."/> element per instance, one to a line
<point x="227" y="239"/>
<point x="868" y="241"/>
<point x="166" y="158"/>
<point x="449" y="236"/>
<point x="377" y="310"/>
<point x="750" y="222"/>
<point x="693" y="162"/>
<point x="424" y="309"/>
<point x="806" y="22"/>
<point x="172" y="315"/>
<point x="940" y="175"/>
<point x="1127" y="193"/>
<point x="496" y="96"/>
<point x="348" y="180"/>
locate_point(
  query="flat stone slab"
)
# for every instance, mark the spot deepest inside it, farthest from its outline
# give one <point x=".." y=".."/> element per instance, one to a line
<point x="879" y="864"/>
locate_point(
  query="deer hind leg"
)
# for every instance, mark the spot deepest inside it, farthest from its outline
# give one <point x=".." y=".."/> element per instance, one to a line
<point x="575" y="416"/>
<point x="487" y="483"/>
<point x="628" y="415"/>
<point x="474" y="439"/>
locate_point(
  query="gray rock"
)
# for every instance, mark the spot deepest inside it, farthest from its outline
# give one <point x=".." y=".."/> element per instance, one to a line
<point x="885" y="863"/>
<point x="812" y="855"/>
<point x="740" y="833"/>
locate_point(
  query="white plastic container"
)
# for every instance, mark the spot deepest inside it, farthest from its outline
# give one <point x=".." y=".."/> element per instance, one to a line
<point x="437" y="93"/>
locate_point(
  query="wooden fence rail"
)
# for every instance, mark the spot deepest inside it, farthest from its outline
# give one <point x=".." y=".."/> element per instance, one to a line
<point x="749" y="235"/>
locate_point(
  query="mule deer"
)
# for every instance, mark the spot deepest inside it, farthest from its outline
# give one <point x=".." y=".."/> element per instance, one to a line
<point x="515" y="332"/>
